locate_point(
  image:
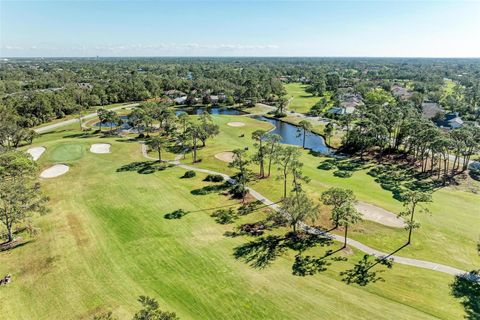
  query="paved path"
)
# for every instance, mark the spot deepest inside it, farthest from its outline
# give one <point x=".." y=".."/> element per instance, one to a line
<point x="75" y="120"/>
<point x="353" y="243"/>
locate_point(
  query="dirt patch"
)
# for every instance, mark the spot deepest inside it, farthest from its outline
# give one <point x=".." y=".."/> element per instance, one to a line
<point x="226" y="156"/>
<point x="236" y="124"/>
<point x="54" y="171"/>
<point x="36" y="152"/>
<point x="379" y="215"/>
<point x="100" y="148"/>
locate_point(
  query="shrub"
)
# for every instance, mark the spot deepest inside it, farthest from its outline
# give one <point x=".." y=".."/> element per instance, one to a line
<point x="237" y="191"/>
<point x="248" y="207"/>
<point x="342" y="174"/>
<point x="177" y="214"/>
<point x="224" y="216"/>
<point x="214" y="178"/>
<point x="189" y="174"/>
<point x="326" y="166"/>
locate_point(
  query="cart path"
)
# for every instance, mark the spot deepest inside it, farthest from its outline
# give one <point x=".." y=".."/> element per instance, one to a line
<point x="75" y="120"/>
<point x="353" y="243"/>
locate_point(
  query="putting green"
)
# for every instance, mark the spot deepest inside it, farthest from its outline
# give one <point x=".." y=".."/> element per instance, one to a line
<point x="67" y="152"/>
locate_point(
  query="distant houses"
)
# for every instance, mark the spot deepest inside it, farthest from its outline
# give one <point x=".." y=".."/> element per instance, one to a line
<point x="431" y="110"/>
<point x="347" y="105"/>
<point x="180" y="97"/>
<point x="401" y="92"/>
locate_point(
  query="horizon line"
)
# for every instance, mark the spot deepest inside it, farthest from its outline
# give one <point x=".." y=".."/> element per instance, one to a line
<point x="207" y="56"/>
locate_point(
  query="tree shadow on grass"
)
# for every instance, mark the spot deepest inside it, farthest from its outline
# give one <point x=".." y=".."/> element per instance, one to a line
<point x="143" y="167"/>
<point x="8" y="246"/>
<point x="467" y="288"/>
<point x="361" y="273"/>
<point x="210" y="189"/>
<point x="261" y="252"/>
<point x="400" y="178"/>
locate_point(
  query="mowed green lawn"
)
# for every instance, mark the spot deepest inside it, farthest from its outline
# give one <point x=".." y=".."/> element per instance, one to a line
<point x="301" y="101"/>
<point x="105" y="242"/>
<point x="448" y="235"/>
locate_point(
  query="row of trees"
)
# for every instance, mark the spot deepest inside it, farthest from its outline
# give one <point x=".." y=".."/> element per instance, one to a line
<point x="384" y="125"/>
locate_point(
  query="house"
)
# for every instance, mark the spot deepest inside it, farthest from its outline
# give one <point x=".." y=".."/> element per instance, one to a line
<point x="431" y="110"/>
<point x="85" y="85"/>
<point x="180" y="100"/>
<point x="341" y="110"/>
<point x="401" y="92"/>
<point x="348" y="103"/>
<point x="175" y="93"/>
<point x="451" y="121"/>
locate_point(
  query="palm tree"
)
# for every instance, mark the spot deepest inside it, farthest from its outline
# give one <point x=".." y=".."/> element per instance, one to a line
<point x="306" y="126"/>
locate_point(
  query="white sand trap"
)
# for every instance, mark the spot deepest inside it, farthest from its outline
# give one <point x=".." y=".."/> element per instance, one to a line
<point x="36" y="152"/>
<point x="236" y="124"/>
<point x="54" y="171"/>
<point x="100" y="148"/>
<point x="226" y="156"/>
<point x="379" y="215"/>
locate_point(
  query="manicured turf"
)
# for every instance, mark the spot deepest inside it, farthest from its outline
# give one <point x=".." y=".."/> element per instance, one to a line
<point x="67" y="152"/>
<point x="453" y="224"/>
<point x="301" y="101"/>
<point x="106" y="241"/>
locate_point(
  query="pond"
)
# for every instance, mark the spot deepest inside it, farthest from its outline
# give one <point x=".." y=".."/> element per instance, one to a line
<point x="292" y="135"/>
<point x="123" y="126"/>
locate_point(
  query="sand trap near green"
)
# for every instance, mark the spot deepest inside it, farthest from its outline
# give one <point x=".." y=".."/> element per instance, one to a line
<point x="100" y="148"/>
<point x="54" y="171"/>
<point x="236" y="124"/>
<point x="379" y="215"/>
<point x="226" y="156"/>
<point x="36" y="152"/>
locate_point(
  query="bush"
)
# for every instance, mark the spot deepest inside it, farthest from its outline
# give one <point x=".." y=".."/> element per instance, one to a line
<point x="280" y="115"/>
<point x="189" y="174"/>
<point x="237" y="191"/>
<point x="214" y="178"/>
<point x="177" y="214"/>
<point x="342" y="174"/>
<point x="224" y="216"/>
<point x="248" y="207"/>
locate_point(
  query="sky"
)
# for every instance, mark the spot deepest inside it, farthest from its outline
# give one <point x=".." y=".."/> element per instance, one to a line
<point x="390" y="28"/>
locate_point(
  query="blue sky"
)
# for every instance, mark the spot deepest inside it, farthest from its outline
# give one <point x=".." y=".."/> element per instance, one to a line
<point x="240" y="28"/>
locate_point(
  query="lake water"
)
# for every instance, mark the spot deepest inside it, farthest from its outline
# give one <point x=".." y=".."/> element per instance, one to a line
<point x="123" y="126"/>
<point x="292" y="135"/>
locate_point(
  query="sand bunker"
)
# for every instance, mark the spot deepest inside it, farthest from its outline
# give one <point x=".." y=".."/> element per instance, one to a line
<point x="54" y="171"/>
<point x="379" y="215"/>
<point x="36" y="152"/>
<point x="236" y="124"/>
<point x="100" y="148"/>
<point x="226" y="156"/>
